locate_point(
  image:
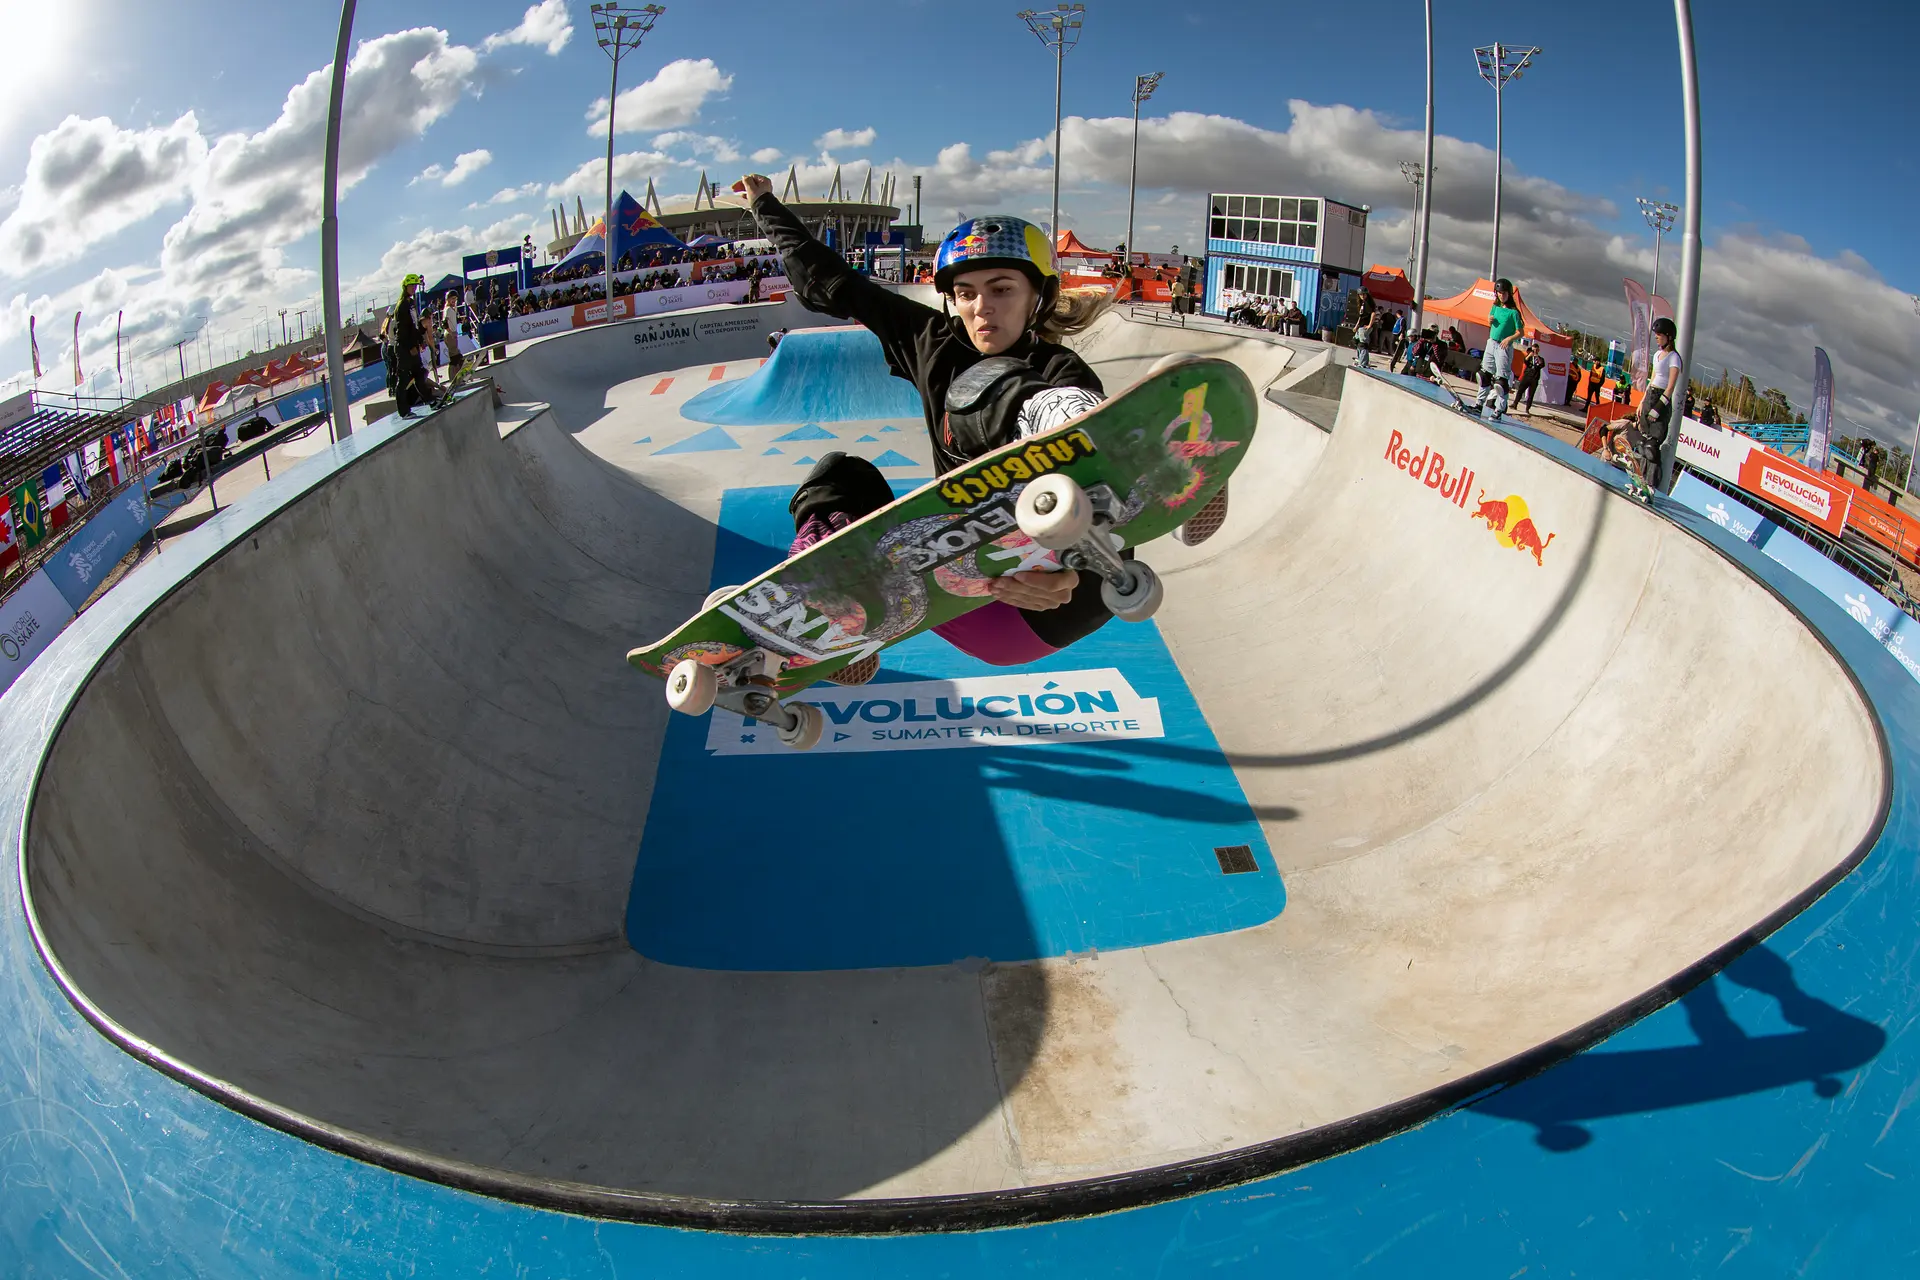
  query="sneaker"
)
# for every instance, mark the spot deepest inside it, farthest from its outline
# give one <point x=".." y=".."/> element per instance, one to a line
<point x="1206" y="522"/>
<point x="858" y="672"/>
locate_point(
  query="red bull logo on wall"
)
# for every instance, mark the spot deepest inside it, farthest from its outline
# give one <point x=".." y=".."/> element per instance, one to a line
<point x="1507" y="518"/>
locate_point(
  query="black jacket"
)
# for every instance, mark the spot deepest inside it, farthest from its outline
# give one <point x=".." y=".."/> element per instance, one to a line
<point x="406" y="325"/>
<point x="926" y="347"/>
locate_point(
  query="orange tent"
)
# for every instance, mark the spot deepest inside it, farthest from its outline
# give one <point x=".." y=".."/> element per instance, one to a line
<point x="1475" y="305"/>
<point x="1388" y="284"/>
<point x="1068" y="245"/>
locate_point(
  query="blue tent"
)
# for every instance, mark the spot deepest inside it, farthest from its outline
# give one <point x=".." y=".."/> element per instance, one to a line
<point x="634" y="231"/>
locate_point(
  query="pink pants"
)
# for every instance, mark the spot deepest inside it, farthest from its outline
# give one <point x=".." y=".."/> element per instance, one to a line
<point x="995" y="633"/>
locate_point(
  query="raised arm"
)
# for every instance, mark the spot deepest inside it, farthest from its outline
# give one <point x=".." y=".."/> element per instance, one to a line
<point x="827" y="284"/>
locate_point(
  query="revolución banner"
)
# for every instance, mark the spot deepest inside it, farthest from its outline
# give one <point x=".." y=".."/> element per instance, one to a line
<point x="1033" y="709"/>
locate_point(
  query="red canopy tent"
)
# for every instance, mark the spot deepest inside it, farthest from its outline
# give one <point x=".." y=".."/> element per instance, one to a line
<point x="1068" y="245"/>
<point x="1388" y="284"/>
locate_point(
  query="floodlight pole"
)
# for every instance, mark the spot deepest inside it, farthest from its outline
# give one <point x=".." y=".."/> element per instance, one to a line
<point x="1500" y="63"/>
<point x="1659" y="215"/>
<point x="1426" y="203"/>
<point x="1412" y="171"/>
<point x="1916" y="426"/>
<point x="1688" y="304"/>
<point x="1058" y="31"/>
<point x="619" y="31"/>
<point x="341" y="419"/>
<point x="1143" y="87"/>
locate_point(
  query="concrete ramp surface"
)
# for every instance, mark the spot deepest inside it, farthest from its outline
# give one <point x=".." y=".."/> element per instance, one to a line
<point x="363" y="824"/>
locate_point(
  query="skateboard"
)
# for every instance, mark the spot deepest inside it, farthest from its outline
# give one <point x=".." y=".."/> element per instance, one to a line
<point x="1131" y="470"/>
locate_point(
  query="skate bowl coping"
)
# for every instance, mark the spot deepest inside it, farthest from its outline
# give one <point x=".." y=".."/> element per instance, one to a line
<point x="357" y="881"/>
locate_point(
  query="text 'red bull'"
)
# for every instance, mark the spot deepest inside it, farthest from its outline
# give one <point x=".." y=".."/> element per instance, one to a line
<point x="1429" y="466"/>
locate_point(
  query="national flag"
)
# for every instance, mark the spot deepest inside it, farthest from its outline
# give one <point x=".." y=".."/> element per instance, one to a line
<point x="77" y="473"/>
<point x="27" y="515"/>
<point x="53" y="486"/>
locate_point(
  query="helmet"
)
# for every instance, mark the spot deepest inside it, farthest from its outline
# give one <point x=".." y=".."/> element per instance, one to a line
<point x="1664" y="326"/>
<point x="1503" y="283"/>
<point x="413" y="278"/>
<point x="996" y="240"/>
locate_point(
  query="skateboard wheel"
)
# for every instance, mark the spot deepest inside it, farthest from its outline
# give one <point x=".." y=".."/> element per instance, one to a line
<point x="1138" y="602"/>
<point x="807" y="726"/>
<point x="691" y="687"/>
<point x="1054" y="512"/>
<point x="715" y="597"/>
<point x="1170" y="361"/>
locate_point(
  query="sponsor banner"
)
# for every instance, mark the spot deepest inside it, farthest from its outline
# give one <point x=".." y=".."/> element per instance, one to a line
<point x="1731" y="514"/>
<point x="15" y="409"/>
<point x="1640" y="320"/>
<point x="89" y="555"/>
<point x="1745" y="462"/>
<point x="629" y="306"/>
<point x="1820" y="417"/>
<point x="1879" y="615"/>
<point x="29" y="620"/>
<point x="1508" y="517"/>
<point x="1788" y="484"/>
<point x="1895" y="530"/>
<point x="1033" y="709"/>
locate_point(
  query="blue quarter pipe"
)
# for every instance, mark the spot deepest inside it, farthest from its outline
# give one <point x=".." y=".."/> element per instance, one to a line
<point x="814" y="375"/>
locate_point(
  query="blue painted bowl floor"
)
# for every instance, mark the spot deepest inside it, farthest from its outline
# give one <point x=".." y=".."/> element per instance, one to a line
<point x="923" y="856"/>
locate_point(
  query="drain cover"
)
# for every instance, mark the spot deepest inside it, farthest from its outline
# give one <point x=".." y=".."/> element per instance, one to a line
<point x="1236" y="859"/>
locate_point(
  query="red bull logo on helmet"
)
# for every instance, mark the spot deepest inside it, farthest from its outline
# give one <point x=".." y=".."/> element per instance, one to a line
<point x="1506" y="517"/>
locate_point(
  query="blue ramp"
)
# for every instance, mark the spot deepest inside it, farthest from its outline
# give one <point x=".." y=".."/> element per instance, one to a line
<point x="814" y="375"/>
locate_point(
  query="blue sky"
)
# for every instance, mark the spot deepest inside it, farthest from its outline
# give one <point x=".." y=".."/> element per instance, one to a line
<point x="1806" y="168"/>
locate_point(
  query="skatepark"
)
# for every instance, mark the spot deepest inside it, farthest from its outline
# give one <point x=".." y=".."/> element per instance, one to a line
<point x="1462" y="896"/>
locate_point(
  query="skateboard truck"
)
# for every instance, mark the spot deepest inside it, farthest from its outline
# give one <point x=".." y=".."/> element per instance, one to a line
<point x="744" y="686"/>
<point x="1061" y="516"/>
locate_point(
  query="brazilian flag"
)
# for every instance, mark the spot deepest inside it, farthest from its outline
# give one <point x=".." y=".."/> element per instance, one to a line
<point x="29" y="519"/>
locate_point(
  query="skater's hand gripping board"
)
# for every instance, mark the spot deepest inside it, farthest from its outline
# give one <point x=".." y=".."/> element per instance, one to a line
<point x="1162" y="449"/>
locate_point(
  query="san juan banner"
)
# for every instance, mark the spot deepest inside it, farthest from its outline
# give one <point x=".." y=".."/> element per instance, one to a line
<point x="1820" y="417"/>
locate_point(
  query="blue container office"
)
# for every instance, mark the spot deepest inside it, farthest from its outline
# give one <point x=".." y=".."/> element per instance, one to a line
<point x="1304" y="249"/>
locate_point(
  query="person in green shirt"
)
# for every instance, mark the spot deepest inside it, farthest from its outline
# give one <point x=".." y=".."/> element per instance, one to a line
<point x="1496" y="365"/>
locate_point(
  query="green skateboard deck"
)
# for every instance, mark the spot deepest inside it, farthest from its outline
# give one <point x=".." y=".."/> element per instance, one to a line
<point x="1155" y="455"/>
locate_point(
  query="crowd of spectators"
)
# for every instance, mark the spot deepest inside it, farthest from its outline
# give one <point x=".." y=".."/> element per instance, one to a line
<point x="1266" y="313"/>
<point x="582" y="284"/>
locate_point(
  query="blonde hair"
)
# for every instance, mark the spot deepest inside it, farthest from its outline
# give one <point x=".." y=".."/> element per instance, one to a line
<point x="1074" y="311"/>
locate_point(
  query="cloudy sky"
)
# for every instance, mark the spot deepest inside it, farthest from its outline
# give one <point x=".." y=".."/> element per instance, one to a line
<point x="172" y="172"/>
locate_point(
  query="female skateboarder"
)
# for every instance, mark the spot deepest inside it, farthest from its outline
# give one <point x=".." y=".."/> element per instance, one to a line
<point x="989" y="372"/>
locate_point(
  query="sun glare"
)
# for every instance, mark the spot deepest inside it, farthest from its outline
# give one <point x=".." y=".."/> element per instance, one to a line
<point x="39" y="39"/>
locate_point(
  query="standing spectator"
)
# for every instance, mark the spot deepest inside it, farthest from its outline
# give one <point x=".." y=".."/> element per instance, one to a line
<point x="1496" y="365"/>
<point x="450" y="329"/>
<point x="1363" y="343"/>
<point x="1530" y="375"/>
<point x="1399" y="341"/>
<point x="405" y="338"/>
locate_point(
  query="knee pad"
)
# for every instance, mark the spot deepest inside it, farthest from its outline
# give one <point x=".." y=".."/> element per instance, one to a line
<point x="840" y="482"/>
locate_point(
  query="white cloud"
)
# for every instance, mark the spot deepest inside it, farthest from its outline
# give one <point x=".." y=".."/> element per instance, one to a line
<point x="88" y="180"/>
<point x="630" y="169"/>
<point x="511" y="195"/>
<point x="839" y="139"/>
<point x="546" y="24"/>
<point x="766" y="155"/>
<point x="465" y="165"/>
<point x="259" y="192"/>
<point x="437" y="252"/>
<point x="671" y="99"/>
<point x="707" y="146"/>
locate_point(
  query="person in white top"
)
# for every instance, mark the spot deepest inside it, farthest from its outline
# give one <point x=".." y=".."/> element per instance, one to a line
<point x="1656" y="402"/>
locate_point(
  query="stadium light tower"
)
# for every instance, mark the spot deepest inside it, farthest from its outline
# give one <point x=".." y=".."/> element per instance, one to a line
<point x="619" y="29"/>
<point x="1659" y="215"/>
<point x="1500" y="63"/>
<point x="1426" y="205"/>
<point x="1059" y="31"/>
<point x="1688" y="303"/>
<point x="1143" y="87"/>
<point x="1415" y="173"/>
<point x="341" y="420"/>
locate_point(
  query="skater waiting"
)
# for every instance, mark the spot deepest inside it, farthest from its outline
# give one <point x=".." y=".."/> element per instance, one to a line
<point x="1496" y="365"/>
<point x="990" y="371"/>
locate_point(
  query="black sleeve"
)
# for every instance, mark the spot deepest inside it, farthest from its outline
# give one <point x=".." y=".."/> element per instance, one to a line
<point x="825" y="283"/>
